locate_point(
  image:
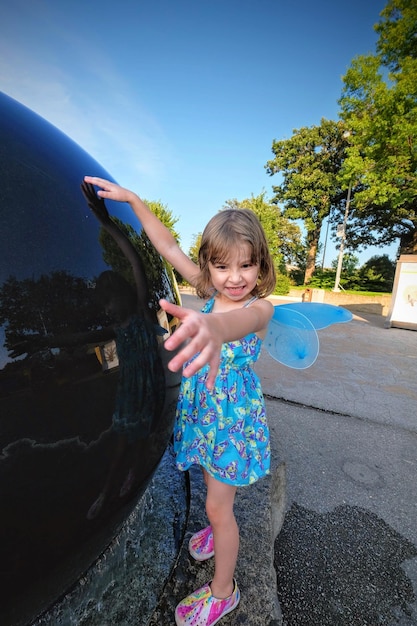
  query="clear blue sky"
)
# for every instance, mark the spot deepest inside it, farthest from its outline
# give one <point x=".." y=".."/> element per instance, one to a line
<point x="180" y="100"/>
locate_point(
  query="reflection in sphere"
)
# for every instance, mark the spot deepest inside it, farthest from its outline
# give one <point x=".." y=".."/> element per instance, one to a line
<point x="86" y="401"/>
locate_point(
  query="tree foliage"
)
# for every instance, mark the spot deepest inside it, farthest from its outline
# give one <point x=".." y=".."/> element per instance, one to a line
<point x="195" y="247"/>
<point x="350" y="263"/>
<point x="282" y="235"/>
<point x="165" y="215"/>
<point x="379" y="106"/>
<point x="376" y="275"/>
<point x="309" y="163"/>
<point x="372" y="149"/>
<point x="34" y="306"/>
<point x="378" y="270"/>
<point x="157" y="269"/>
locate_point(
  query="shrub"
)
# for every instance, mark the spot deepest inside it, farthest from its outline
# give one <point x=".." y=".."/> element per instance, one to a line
<point x="283" y="285"/>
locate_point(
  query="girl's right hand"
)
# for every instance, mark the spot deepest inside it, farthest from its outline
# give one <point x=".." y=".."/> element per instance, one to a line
<point x="203" y="341"/>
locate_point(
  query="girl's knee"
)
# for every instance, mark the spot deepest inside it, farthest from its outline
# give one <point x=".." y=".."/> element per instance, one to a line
<point x="213" y="512"/>
<point x="219" y="501"/>
<point x="220" y="519"/>
<point x="219" y="511"/>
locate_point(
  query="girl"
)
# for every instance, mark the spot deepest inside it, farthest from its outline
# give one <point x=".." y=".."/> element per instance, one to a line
<point x="220" y="422"/>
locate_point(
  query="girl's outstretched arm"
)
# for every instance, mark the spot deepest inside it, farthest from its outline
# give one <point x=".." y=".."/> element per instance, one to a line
<point x="207" y="332"/>
<point x="160" y="236"/>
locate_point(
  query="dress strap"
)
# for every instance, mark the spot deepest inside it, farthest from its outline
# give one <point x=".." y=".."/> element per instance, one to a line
<point x="249" y="302"/>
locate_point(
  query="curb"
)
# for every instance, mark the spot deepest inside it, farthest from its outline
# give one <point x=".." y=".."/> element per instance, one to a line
<point x="260" y="512"/>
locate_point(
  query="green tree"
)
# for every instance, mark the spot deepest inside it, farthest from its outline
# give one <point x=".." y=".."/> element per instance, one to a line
<point x="165" y="215"/>
<point x="32" y="307"/>
<point x="350" y="263"/>
<point x="156" y="268"/>
<point x="379" y="106"/>
<point x="195" y="247"/>
<point x="283" y="236"/>
<point x="309" y="163"/>
<point x="377" y="274"/>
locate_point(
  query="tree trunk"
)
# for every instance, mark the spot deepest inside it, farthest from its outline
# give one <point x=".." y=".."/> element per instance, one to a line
<point x="408" y="242"/>
<point x="313" y="240"/>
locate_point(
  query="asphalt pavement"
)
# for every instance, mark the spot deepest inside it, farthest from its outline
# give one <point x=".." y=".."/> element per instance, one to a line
<point x="345" y="433"/>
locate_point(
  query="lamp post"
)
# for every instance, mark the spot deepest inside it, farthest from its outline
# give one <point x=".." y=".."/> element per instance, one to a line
<point x="342" y="243"/>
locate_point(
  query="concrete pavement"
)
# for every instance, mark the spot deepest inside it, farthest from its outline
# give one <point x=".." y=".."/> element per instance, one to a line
<point x="348" y="435"/>
<point x="344" y="442"/>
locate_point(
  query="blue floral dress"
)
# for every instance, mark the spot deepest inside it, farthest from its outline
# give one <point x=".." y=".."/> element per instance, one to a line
<point x="225" y="429"/>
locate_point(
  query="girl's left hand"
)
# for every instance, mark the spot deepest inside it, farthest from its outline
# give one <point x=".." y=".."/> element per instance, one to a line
<point x="109" y="190"/>
<point x="203" y="334"/>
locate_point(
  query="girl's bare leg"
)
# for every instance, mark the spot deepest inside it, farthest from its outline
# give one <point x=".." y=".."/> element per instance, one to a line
<point x="219" y="508"/>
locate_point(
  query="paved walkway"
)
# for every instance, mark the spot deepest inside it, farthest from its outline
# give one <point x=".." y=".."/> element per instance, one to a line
<point x="346" y="430"/>
<point x="349" y="442"/>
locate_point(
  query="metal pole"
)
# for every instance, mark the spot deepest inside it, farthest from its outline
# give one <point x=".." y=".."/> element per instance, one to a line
<point x="325" y="243"/>
<point x="342" y="243"/>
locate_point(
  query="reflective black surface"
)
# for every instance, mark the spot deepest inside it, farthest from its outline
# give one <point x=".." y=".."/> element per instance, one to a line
<point x="86" y="402"/>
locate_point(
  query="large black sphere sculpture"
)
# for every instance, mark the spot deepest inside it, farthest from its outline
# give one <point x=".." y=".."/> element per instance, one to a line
<point x="86" y="402"/>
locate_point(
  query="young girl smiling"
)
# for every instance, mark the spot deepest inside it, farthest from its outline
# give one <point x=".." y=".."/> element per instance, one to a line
<point x="220" y="421"/>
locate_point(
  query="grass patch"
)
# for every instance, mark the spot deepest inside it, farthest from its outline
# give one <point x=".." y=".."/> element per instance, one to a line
<point x="353" y="292"/>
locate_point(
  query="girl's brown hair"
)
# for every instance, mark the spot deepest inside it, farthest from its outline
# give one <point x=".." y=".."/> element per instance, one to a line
<point x="225" y="232"/>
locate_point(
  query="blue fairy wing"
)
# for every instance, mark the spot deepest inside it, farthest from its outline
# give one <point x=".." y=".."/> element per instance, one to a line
<point x="291" y="338"/>
<point x="319" y="314"/>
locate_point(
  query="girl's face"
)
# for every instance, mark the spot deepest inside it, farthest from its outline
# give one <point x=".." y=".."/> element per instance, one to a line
<point x="235" y="277"/>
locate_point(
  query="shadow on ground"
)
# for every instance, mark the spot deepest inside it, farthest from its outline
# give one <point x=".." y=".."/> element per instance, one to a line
<point x="342" y="568"/>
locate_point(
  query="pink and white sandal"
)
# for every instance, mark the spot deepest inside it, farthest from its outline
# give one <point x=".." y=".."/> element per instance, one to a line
<point x="201" y="608"/>
<point x="201" y="544"/>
